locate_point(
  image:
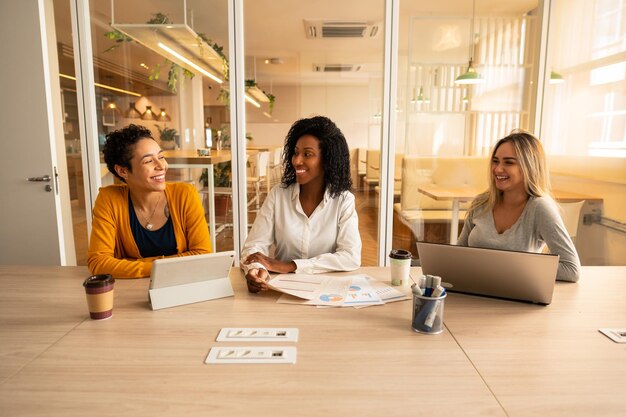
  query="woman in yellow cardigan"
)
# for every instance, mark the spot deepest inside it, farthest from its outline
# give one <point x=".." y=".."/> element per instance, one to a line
<point x="144" y="218"/>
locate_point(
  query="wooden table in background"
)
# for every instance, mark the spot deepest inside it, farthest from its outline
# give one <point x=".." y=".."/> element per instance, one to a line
<point x="460" y="194"/>
<point x="189" y="159"/>
<point x="495" y="357"/>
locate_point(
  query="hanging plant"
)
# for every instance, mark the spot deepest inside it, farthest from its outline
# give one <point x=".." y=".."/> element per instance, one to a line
<point x="118" y="37"/>
<point x="218" y="49"/>
<point x="272" y="99"/>
<point x="175" y="69"/>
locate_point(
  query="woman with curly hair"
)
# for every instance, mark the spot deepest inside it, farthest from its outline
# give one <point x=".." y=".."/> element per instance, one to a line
<point x="310" y="218"/>
<point x="144" y="218"/>
<point x="517" y="211"/>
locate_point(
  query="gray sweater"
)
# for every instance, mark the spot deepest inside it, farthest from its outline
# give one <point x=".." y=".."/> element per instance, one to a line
<point x="540" y="224"/>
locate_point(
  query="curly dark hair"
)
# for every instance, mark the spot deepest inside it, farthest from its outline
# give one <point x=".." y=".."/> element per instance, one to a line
<point x="119" y="146"/>
<point x="334" y="149"/>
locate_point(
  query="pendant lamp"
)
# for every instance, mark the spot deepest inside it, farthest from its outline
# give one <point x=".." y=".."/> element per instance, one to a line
<point x="470" y="76"/>
<point x="163" y="116"/>
<point x="556" y="78"/>
<point x="421" y="98"/>
<point x="132" y="112"/>
<point x="110" y="112"/>
<point x="148" y="114"/>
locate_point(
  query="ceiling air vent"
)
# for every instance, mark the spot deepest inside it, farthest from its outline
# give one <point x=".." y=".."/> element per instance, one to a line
<point x="336" y="67"/>
<point x="340" y="29"/>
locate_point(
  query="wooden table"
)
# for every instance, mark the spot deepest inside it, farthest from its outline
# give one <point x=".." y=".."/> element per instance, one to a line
<point x="189" y="159"/>
<point x="496" y="357"/>
<point x="454" y="194"/>
<point x="459" y="194"/>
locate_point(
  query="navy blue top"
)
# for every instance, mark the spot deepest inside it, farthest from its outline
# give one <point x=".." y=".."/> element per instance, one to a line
<point x="161" y="242"/>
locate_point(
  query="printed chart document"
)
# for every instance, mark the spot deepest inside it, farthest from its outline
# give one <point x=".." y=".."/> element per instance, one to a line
<point x="334" y="291"/>
<point x="361" y="293"/>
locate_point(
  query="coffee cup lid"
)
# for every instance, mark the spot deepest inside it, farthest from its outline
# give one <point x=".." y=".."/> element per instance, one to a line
<point x="400" y="254"/>
<point x="101" y="280"/>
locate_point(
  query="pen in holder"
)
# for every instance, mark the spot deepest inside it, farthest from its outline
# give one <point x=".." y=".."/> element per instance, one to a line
<point x="428" y="314"/>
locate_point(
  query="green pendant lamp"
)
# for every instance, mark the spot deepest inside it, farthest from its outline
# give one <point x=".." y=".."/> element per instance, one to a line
<point x="556" y="78"/>
<point x="470" y="76"/>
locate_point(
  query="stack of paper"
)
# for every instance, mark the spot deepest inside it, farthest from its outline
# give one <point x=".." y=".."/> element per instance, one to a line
<point x="333" y="291"/>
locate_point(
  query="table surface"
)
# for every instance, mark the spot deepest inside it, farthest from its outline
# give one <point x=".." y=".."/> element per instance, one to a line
<point x="495" y="357"/>
<point x="439" y="192"/>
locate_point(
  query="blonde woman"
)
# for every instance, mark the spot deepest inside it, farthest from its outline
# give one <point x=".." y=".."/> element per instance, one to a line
<point x="517" y="211"/>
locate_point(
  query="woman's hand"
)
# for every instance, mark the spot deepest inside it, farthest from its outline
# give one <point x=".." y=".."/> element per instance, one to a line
<point x="273" y="265"/>
<point x="256" y="280"/>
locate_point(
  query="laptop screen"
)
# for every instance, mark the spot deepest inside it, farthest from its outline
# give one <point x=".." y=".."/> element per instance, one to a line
<point x="522" y="276"/>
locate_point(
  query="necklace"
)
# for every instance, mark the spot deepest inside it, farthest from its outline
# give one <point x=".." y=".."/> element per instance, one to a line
<point x="149" y="225"/>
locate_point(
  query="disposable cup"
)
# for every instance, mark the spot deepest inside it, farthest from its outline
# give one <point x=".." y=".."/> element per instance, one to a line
<point x="400" y="262"/>
<point x="99" y="292"/>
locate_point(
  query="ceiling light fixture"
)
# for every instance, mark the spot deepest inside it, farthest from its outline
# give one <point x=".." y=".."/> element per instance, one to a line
<point x="189" y="62"/>
<point x="252" y="101"/>
<point x="106" y="87"/>
<point x="470" y="76"/>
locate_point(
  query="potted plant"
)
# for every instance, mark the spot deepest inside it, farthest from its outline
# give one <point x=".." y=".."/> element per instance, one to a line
<point x="221" y="178"/>
<point x="167" y="137"/>
<point x="221" y="175"/>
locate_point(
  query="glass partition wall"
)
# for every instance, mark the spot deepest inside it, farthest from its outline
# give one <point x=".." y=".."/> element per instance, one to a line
<point x="584" y="120"/>
<point x="448" y="120"/>
<point x="327" y="58"/>
<point x="315" y="58"/>
<point x="164" y="65"/>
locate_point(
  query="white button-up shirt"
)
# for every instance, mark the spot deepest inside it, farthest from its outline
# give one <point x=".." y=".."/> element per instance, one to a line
<point x="327" y="241"/>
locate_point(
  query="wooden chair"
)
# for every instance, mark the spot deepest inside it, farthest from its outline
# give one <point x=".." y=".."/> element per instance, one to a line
<point x="258" y="175"/>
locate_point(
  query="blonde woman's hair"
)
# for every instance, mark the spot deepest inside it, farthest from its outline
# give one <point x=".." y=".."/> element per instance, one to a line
<point x="532" y="161"/>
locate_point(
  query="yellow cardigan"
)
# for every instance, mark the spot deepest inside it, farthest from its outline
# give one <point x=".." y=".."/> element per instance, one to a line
<point x="112" y="247"/>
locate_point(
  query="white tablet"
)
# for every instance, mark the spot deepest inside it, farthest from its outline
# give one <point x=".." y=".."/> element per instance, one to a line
<point x="190" y="279"/>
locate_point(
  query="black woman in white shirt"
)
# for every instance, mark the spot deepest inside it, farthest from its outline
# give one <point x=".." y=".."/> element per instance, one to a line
<point x="310" y="218"/>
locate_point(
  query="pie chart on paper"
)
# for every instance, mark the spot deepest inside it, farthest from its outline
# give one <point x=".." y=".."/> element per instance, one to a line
<point x="354" y="288"/>
<point x="331" y="297"/>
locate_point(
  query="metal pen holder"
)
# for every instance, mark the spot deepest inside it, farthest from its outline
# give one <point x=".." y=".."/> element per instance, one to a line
<point x="428" y="314"/>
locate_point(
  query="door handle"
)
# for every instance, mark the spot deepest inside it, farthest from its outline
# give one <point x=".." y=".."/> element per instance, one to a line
<point x="45" y="178"/>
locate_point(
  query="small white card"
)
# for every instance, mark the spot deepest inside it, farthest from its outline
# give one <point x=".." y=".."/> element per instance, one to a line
<point x="254" y="334"/>
<point x="616" y="335"/>
<point x="258" y="354"/>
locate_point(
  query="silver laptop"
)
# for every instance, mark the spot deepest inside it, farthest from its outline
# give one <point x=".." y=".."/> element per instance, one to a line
<point x="190" y="279"/>
<point x="521" y="276"/>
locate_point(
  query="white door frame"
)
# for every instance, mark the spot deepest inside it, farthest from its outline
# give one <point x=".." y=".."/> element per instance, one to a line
<point x="388" y="145"/>
<point x="86" y="99"/>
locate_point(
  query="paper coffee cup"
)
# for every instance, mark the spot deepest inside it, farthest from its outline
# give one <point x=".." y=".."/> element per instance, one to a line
<point x="99" y="291"/>
<point x="400" y="262"/>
